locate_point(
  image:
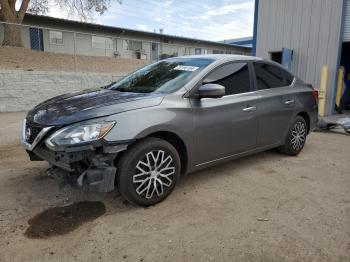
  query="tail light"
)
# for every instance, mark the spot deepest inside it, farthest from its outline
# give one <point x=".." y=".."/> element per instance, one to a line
<point x="315" y="94"/>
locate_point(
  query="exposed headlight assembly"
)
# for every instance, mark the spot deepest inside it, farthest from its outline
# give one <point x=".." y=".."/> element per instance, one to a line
<point x="79" y="133"/>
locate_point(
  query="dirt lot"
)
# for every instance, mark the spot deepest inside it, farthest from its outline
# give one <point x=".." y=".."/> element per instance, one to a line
<point x="266" y="207"/>
<point x="26" y="59"/>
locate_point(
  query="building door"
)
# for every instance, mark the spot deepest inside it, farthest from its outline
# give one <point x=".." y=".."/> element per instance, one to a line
<point x="154" y="52"/>
<point x="36" y="39"/>
<point x="345" y="63"/>
<point x="284" y="57"/>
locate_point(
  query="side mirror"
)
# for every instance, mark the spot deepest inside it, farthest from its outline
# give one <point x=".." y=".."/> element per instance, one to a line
<point x="211" y="91"/>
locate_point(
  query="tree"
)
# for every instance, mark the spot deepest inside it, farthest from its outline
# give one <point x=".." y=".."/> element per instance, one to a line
<point x="9" y="14"/>
<point x="12" y="15"/>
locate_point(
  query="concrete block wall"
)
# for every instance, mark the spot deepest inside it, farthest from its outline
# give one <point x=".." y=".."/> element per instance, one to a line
<point x="22" y="90"/>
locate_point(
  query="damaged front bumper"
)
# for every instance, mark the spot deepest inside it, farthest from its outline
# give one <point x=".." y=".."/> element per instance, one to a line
<point x="90" y="166"/>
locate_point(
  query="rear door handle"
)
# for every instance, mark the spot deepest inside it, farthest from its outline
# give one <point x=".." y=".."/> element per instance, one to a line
<point x="249" y="109"/>
<point x="289" y="101"/>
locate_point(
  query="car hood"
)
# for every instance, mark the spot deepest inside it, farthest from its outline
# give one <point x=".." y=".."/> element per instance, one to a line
<point x="91" y="103"/>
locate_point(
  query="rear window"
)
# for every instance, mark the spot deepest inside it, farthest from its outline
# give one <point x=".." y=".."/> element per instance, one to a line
<point x="270" y="76"/>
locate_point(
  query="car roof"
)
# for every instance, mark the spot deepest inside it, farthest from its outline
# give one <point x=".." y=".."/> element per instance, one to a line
<point x="224" y="57"/>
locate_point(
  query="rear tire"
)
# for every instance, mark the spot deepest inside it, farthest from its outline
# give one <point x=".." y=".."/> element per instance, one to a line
<point x="148" y="171"/>
<point x="296" y="137"/>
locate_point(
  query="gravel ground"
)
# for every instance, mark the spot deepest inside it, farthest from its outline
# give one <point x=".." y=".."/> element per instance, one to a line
<point x="266" y="207"/>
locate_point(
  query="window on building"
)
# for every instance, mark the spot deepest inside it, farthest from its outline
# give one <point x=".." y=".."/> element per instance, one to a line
<point x="218" y="52"/>
<point x="102" y="42"/>
<point x="56" y="37"/>
<point x="132" y="45"/>
<point x="135" y="45"/>
<point x="270" y="76"/>
<point x="234" y="77"/>
<point x="198" y="51"/>
<point x="155" y="47"/>
<point x="125" y="44"/>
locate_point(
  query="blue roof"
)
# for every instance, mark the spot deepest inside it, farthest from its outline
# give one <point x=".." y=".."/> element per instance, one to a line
<point x="241" y="42"/>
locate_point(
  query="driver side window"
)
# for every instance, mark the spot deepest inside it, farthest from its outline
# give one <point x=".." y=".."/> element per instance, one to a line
<point x="234" y="77"/>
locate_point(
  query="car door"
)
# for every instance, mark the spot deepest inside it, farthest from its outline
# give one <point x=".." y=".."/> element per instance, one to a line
<point x="276" y="102"/>
<point x="227" y="125"/>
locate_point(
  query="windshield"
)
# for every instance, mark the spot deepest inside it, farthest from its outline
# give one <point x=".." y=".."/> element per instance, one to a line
<point x="165" y="76"/>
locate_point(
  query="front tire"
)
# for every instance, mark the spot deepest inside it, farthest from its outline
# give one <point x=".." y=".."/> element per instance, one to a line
<point x="296" y="137"/>
<point x="148" y="171"/>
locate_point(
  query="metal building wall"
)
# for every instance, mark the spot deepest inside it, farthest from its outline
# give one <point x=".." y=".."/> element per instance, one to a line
<point x="311" y="28"/>
<point x="347" y="21"/>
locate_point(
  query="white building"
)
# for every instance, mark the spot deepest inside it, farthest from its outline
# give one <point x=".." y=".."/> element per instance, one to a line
<point x="69" y="37"/>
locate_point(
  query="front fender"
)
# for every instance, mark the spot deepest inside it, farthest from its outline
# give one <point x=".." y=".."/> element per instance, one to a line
<point x="137" y="124"/>
<point x="160" y="128"/>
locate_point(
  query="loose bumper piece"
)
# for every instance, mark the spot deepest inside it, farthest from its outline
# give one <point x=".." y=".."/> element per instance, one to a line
<point x="90" y="166"/>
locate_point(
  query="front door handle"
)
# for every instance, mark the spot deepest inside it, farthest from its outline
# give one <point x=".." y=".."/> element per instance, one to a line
<point x="289" y="102"/>
<point x="249" y="109"/>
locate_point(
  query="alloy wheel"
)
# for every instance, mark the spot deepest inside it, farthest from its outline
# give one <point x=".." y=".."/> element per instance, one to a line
<point x="298" y="136"/>
<point x="154" y="174"/>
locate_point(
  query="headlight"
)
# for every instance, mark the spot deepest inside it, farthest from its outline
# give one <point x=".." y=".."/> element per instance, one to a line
<point x="79" y="133"/>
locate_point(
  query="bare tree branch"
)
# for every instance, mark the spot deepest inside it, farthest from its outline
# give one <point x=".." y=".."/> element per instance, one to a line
<point x="12" y="4"/>
<point x="22" y="10"/>
<point x="4" y="4"/>
<point x="5" y="10"/>
<point x="85" y="8"/>
<point x="38" y="6"/>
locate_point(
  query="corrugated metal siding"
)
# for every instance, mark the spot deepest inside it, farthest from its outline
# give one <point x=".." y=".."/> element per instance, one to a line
<point x="309" y="27"/>
<point x="347" y="21"/>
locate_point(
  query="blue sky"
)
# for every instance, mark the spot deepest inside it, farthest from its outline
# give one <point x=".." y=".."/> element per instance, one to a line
<point x="206" y="19"/>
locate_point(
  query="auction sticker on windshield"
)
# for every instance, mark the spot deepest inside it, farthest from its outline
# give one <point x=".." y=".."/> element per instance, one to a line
<point x="186" y="68"/>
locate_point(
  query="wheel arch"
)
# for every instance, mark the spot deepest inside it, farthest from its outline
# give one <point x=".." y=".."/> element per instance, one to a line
<point x="177" y="142"/>
<point x="171" y="137"/>
<point x="306" y="117"/>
